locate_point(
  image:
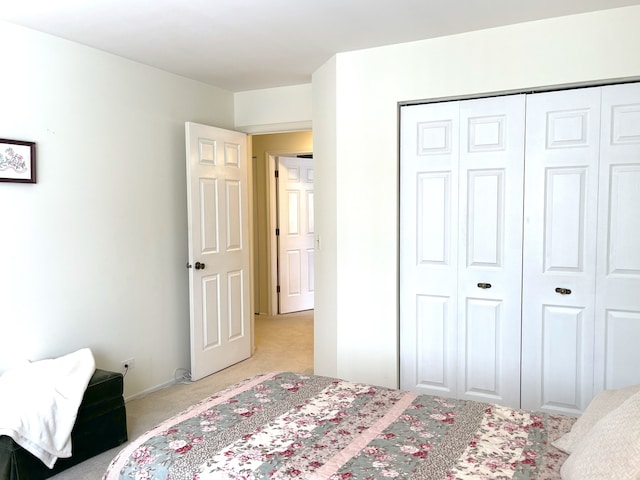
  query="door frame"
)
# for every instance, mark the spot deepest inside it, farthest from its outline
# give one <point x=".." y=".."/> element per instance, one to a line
<point x="272" y="222"/>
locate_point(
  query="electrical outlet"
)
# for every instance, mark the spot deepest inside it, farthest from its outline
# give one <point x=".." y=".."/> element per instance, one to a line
<point x="128" y="364"/>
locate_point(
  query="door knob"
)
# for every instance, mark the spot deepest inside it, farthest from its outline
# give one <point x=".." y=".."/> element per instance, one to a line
<point x="188" y="265"/>
<point x="484" y="285"/>
<point x="199" y="266"/>
<point x="563" y="291"/>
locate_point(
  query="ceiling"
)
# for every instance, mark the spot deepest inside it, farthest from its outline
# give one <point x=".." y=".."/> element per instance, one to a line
<point x="244" y="45"/>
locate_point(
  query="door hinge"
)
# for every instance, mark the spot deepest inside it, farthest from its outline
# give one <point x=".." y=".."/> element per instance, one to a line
<point x="278" y="289"/>
<point x="277" y="174"/>
<point x="277" y="231"/>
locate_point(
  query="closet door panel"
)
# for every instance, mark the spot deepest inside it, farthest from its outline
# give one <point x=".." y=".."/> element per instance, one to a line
<point x="564" y="220"/>
<point x="489" y="248"/>
<point x="432" y="365"/>
<point x="429" y="137"/>
<point x="559" y="248"/>
<point x="618" y="270"/>
<point x="433" y="230"/>
<point x="481" y="368"/>
<point x="618" y="366"/>
<point x="563" y="343"/>
<point x="485" y="219"/>
<point x="622" y="255"/>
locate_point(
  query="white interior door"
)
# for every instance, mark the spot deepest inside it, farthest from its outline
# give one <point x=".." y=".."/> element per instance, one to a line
<point x="219" y="255"/>
<point x="559" y="256"/>
<point x="618" y="269"/>
<point x="296" y="232"/>
<point x="490" y="249"/>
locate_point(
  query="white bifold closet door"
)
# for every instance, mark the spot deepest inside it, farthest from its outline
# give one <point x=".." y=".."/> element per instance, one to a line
<point x="559" y="255"/>
<point x="559" y="261"/>
<point x="460" y="248"/>
<point x="581" y="257"/>
<point x="429" y="248"/>
<point x="617" y="326"/>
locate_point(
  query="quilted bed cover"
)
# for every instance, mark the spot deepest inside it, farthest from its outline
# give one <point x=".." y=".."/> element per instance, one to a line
<point x="284" y="425"/>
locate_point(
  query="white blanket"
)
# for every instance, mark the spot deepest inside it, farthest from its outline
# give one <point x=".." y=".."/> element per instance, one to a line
<point x="39" y="403"/>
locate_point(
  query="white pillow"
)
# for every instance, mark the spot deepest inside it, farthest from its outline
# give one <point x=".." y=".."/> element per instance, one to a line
<point x="601" y="405"/>
<point x="611" y="449"/>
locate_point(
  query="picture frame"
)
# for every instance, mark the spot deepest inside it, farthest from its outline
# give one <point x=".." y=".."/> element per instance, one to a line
<point x="17" y="161"/>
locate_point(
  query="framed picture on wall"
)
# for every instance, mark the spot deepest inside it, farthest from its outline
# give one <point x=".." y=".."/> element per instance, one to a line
<point x="17" y="161"/>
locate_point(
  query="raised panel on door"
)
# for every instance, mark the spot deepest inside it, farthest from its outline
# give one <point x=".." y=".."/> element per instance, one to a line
<point x="432" y="365"/>
<point x="481" y="366"/>
<point x="211" y="316"/>
<point x="428" y="247"/>
<point x="562" y="371"/>
<point x="235" y="305"/>
<point x="209" y="221"/>
<point x="233" y="215"/>
<point x="619" y="347"/>
<point x="559" y="247"/>
<point x="489" y="248"/>
<point x="618" y="270"/>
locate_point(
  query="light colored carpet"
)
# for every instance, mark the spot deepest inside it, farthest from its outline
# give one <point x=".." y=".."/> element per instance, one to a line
<point x="283" y="342"/>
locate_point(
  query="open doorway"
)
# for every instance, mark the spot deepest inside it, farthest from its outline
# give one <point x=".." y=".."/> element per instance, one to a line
<point x="266" y="148"/>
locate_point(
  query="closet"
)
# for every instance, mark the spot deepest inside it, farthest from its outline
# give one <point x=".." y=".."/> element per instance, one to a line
<point x="519" y="250"/>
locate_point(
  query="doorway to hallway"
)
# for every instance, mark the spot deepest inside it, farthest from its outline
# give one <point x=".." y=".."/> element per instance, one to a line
<point x="266" y="148"/>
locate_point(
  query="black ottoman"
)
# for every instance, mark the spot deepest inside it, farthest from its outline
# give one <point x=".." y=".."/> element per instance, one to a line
<point x="101" y="424"/>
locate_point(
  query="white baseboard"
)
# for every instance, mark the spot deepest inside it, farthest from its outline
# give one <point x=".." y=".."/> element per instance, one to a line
<point x="150" y="390"/>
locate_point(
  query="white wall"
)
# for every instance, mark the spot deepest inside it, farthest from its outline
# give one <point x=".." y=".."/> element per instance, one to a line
<point x="357" y="145"/>
<point x="94" y="254"/>
<point x="274" y="109"/>
<point x="325" y="260"/>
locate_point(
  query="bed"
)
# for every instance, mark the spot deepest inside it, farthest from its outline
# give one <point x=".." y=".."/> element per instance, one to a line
<point x="283" y="425"/>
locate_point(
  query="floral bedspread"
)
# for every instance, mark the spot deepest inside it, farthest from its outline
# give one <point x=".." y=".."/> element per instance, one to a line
<point x="292" y="426"/>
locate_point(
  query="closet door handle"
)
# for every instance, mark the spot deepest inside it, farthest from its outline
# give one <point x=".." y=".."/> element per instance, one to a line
<point x="563" y="291"/>
<point x="484" y="285"/>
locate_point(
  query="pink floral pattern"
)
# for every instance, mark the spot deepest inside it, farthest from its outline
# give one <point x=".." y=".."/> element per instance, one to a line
<point x="291" y="426"/>
<point x="502" y="446"/>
